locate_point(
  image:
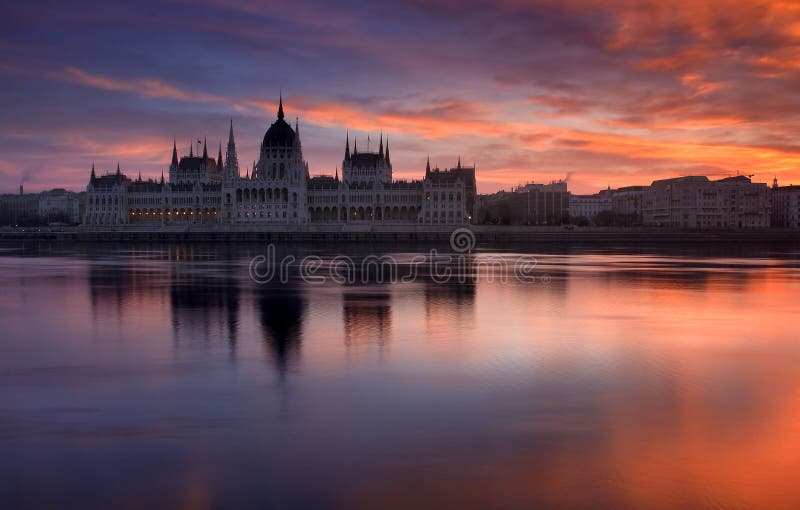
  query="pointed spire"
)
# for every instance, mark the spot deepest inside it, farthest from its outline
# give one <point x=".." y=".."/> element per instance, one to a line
<point x="388" y="161"/>
<point x="428" y="166"/>
<point x="459" y="161"/>
<point x="231" y="160"/>
<point x="191" y="154"/>
<point x="219" y="157"/>
<point x="205" y="151"/>
<point x="355" y="145"/>
<point x="337" y="173"/>
<point x="118" y="168"/>
<point x="280" y="107"/>
<point x="380" y="146"/>
<point x="162" y="177"/>
<point x="297" y="126"/>
<point x="174" y="153"/>
<point x="347" y="147"/>
<point x="140" y="176"/>
<point x="92" y="177"/>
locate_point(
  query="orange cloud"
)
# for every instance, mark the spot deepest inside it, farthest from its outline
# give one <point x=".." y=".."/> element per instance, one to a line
<point x="145" y="87"/>
<point x="524" y="143"/>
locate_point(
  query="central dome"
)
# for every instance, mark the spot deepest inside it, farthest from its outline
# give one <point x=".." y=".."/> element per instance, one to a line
<point x="280" y="133"/>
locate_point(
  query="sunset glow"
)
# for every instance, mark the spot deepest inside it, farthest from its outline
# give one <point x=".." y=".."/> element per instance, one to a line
<point x="610" y="93"/>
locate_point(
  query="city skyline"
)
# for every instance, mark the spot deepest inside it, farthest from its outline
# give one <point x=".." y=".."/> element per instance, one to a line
<point x="609" y="95"/>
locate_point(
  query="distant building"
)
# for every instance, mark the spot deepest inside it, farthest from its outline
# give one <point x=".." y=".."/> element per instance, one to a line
<point x="19" y="209"/>
<point x="626" y="204"/>
<point x="530" y="204"/>
<point x="590" y="206"/>
<point x="697" y="202"/>
<point x="785" y="206"/>
<point x="59" y="206"/>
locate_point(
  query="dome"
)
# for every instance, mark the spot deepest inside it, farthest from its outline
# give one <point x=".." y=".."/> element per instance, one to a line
<point x="280" y="133"/>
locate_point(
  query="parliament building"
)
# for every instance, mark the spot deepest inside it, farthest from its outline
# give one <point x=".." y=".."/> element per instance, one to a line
<point x="203" y="190"/>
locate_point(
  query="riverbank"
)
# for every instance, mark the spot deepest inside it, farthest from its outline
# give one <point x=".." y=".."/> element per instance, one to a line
<point x="483" y="234"/>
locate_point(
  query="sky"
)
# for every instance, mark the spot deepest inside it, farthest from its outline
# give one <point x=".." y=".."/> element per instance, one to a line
<point x="601" y="93"/>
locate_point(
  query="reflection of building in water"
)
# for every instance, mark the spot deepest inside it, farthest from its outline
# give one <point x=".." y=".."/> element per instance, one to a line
<point x="451" y="302"/>
<point x="367" y="317"/>
<point x="204" y="302"/>
<point x="120" y="287"/>
<point x="280" y="310"/>
<point x="200" y="292"/>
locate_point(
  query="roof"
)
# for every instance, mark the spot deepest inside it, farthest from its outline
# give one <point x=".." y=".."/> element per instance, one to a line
<point x="467" y="176"/>
<point x="685" y="178"/>
<point x="323" y="182"/>
<point x="196" y="163"/>
<point x="366" y="160"/>
<point x="109" y="180"/>
<point x="279" y="134"/>
<point x="737" y="178"/>
<point x="144" y="186"/>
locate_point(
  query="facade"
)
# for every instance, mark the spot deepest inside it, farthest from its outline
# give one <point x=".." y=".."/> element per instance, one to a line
<point x="60" y="206"/>
<point x="19" y="209"/>
<point x="785" y="206"/>
<point x="697" y="202"/>
<point x="589" y="206"/>
<point x="530" y="204"/>
<point x="626" y="204"/>
<point x="56" y="206"/>
<point x="280" y="190"/>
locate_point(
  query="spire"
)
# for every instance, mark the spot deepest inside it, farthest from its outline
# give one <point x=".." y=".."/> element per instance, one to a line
<point x="459" y="161"/>
<point x="347" y="147"/>
<point x="205" y="151"/>
<point x="219" y="157"/>
<point x="380" y="146"/>
<point x="174" y="153"/>
<point x="428" y="166"/>
<point x="162" y="177"/>
<point x="337" y="173"/>
<point x="117" y="167"/>
<point x="388" y="161"/>
<point x="191" y="155"/>
<point x="231" y="160"/>
<point x="92" y="177"/>
<point x="297" y="127"/>
<point x="355" y="145"/>
<point x="140" y="176"/>
<point x="280" y="107"/>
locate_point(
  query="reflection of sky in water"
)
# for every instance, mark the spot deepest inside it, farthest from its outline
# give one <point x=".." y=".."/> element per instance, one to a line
<point x="166" y="377"/>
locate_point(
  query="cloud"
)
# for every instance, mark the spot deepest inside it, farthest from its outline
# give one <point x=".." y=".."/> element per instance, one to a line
<point x="622" y="92"/>
<point x="145" y="87"/>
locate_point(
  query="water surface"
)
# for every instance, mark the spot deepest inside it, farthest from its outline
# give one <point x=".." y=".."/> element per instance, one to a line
<point x="163" y="376"/>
